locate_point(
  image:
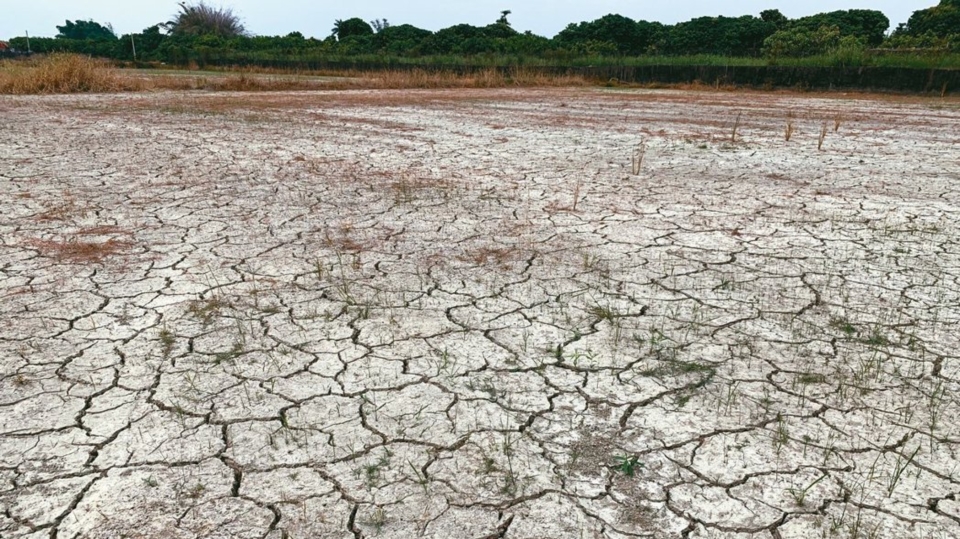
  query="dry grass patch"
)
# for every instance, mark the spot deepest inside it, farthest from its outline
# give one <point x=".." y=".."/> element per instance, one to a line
<point x="73" y="250"/>
<point x="409" y="189"/>
<point x="367" y="80"/>
<point x="388" y="125"/>
<point x="61" y="74"/>
<point x="500" y="257"/>
<point x="63" y="211"/>
<point x="311" y="104"/>
<point x="240" y="82"/>
<point x="343" y="238"/>
<point x="487" y="78"/>
<point x="73" y="73"/>
<point x="398" y="79"/>
<point x="103" y="230"/>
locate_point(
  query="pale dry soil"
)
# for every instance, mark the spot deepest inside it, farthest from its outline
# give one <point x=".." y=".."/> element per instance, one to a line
<point x="460" y="314"/>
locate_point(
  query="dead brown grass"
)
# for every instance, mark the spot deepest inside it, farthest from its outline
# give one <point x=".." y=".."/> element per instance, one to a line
<point x="80" y="251"/>
<point x="72" y="73"/>
<point x="365" y="80"/>
<point x="61" y="74"/>
<point x="409" y="189"/>
<point x="61" y="211"/>
<point x="500" y="257"/>
<point x="103" y="230"/>
<point x="240" y="82"/>
<point x="487" y="78"/>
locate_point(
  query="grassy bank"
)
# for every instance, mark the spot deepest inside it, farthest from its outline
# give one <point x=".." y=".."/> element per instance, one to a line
<point x="70" y="73"/>
<point x="305" y="61"/>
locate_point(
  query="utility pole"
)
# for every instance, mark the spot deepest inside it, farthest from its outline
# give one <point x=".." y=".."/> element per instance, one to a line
<point x="134" y="45"/>
<point x="28" y="40"/>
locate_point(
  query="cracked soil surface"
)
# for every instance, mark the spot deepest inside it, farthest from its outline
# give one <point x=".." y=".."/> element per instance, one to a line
<point x="460" y="314"/>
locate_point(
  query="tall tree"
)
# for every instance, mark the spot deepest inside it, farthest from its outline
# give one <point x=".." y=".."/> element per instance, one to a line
<point x="402" y="40"/>
<point x="201" y="19"/>
<point x="774" y="17"/>
<point x="941" y="21"/>
<point x="866" y="24"/>
<point x="728" y="36"/>
<point x="625" y="35"/>
<point x="351" y="28"/>
<point x="85" y="30"/>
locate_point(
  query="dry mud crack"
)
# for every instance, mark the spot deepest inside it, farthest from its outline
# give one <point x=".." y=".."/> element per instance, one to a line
<point x="460" y="314"/>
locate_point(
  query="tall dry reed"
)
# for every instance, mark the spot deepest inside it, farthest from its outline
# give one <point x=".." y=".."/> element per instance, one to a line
<point x="61" y="74"/>
<point x="71" y="73"/>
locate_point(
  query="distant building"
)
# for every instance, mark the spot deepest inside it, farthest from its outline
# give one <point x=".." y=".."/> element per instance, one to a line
<point x="4" y="46"/>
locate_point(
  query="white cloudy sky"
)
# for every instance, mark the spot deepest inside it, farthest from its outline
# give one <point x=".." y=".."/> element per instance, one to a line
<point x="315" y="17"/>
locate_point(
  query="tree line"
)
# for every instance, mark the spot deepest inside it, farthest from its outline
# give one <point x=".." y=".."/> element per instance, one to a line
<point x="200" y="31"/>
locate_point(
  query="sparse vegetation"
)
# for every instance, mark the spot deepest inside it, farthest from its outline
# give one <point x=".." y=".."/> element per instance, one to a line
<point x="196" y="491"/>
<point x="209" y="309"/>
<point x="375" y="311"/>
<point x="70" y="73"/>
<point x="74" y="250"/>
<point x="167" y="340"/>
<point x="800" y="494"/>
<point x="843" y="325"/>
<point x="628" y="465"/>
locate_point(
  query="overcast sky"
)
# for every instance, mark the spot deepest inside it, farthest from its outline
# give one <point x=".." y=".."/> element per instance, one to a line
<point x="315" y="18"/>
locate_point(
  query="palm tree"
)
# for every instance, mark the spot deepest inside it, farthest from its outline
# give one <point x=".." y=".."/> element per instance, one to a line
<point x="201" y="19"/>
<point x="351" y="27"/>
<point x="337" y="27"/>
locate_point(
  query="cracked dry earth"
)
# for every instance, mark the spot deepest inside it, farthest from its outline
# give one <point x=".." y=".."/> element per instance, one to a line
<point x="460" y="314"/>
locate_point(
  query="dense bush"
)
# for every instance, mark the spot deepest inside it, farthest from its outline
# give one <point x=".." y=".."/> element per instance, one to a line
<point x="610" y="34"/>
<point x="942" y="20"/>
<point x="867" y="25"/>
<point x="927" y="41"/>
<point x="202" y="34"/>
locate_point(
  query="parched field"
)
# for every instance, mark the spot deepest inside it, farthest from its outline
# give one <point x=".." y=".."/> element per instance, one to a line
<point x="461" y="314"/>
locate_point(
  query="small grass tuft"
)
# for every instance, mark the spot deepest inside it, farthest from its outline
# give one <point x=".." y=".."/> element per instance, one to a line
<point x="604" y="313"/>
<point x="167" y="340"/>
<point x="235" y="351"/>
<point x="628" y="465"/>
<point x="812" y="378"/>
<point x="876" y="339"/>
<point x="196" y="491"/>
<point x="207" y="310"/>
<point x="843" y="325"/>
